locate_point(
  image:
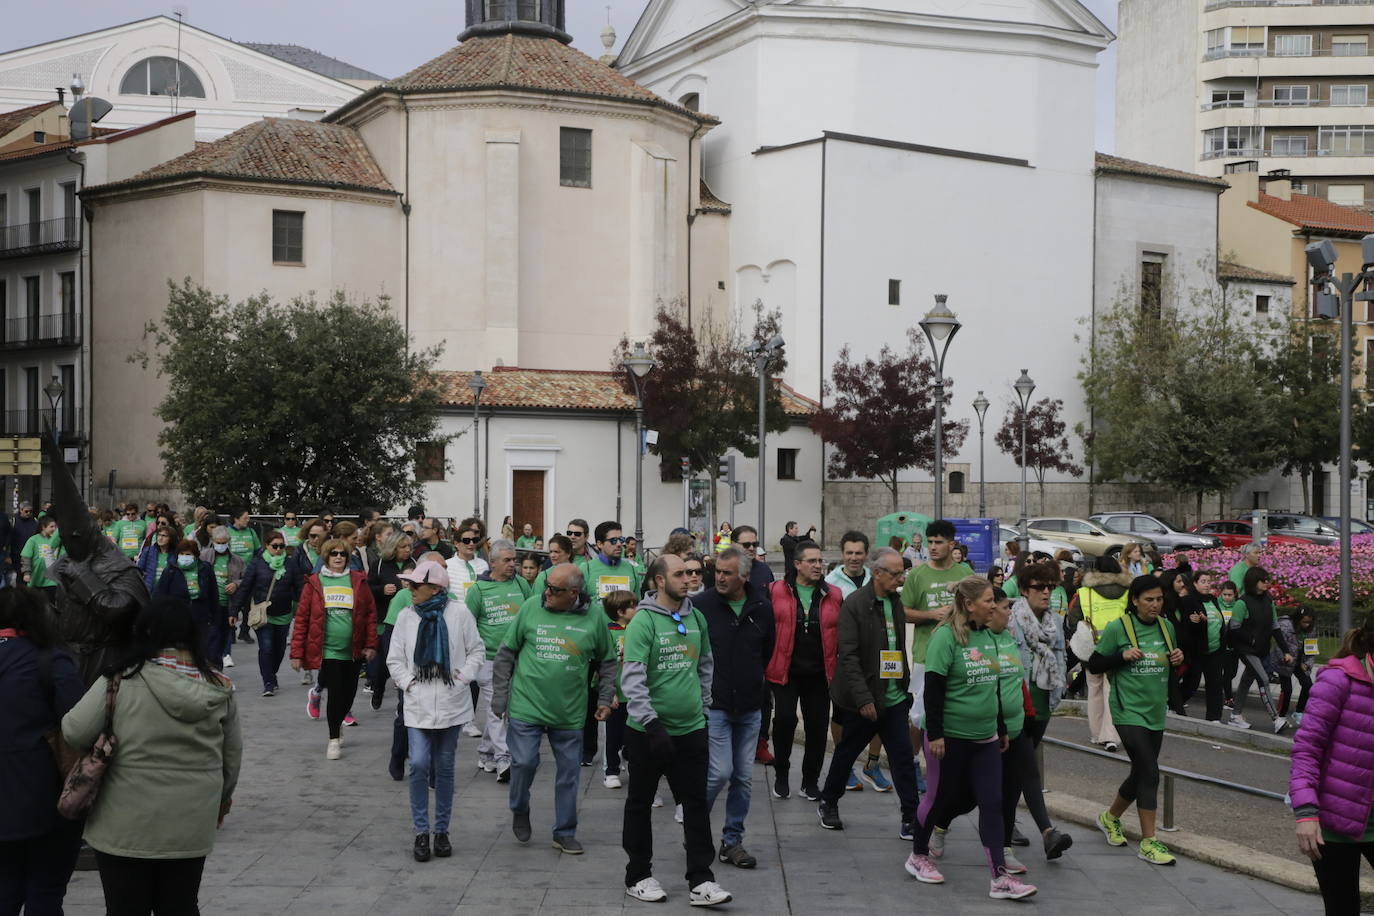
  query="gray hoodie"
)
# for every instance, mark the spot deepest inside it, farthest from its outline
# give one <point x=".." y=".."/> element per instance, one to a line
<point x="634" y="676"/>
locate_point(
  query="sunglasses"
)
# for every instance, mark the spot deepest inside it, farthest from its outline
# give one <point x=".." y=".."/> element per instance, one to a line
<point x="557" y="589"/>
<point x="338" y="553"/>
<point x="694" y="572"/>
<point x="576" y="534"/>
<point x="291" y="518"/>
<point x="748" y="545"/>
<point x="275" y="545"/>
<point x="1039" y="587"/>
<point x="468" y="540"/>
<point x="681" y="627"/>
<point x="615" y="540"/>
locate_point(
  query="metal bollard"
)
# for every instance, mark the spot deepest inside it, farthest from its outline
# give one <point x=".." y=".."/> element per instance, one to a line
<point x="1168" y="817"/>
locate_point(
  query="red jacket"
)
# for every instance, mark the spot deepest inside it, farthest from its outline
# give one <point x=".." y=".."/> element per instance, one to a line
<point x="307" y="636"/>
<point x="785" y="629"/>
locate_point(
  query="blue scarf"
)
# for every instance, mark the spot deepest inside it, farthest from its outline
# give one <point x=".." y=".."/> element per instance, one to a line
<point x="431" y="641"/>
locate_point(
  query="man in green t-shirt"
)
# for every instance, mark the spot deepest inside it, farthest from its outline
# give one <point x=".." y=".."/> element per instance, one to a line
<point x="526" y="539"/>
<point x="1251" y="555"/>
<point x="493" y="599"/>
<point x="607" y="572"/>
<point x="665" y="677"/>
<point x="539" y="684"/>
<point x="129" y="531"/>
<point x="927" y="598"/>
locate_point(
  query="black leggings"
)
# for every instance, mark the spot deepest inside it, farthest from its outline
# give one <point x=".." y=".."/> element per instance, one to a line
<point x="968" y="767"/>
<point x="812" y="691"/>
<point x="1338" y="876"/>
<point x="138" y="887"/>
<point x="1286" y="690"/>
<point x="1142" y="783"/>
<point x="1253" y="672"/>
<point x="339" y="680"/>
<point x="1020" y="775"/>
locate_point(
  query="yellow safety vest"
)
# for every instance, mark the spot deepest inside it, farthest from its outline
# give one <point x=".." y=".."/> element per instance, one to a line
<point x="1099" y="611"/>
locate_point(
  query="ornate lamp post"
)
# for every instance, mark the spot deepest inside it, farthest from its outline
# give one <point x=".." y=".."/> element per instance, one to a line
<point x="980" y="407"/>
<point x="940" y="326"/>
<point x="639" y="365"/>
<point x="1024" y="389"/>
<point x="476" y="385"/>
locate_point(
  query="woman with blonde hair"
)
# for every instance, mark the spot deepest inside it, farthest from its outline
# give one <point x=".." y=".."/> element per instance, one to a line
<point x="965" y="735"/>
<point x="1133" y="561"/>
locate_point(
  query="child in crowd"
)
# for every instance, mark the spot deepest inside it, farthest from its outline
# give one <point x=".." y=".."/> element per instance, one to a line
<point x="620" y="608"/>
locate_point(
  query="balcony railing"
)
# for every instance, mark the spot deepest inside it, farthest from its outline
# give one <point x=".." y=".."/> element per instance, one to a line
<point x="61" y="234"/>
<point x="1270" y="154"/>
<point x="1224" y="4"/>
<point x="1219" y="53"/>
<point x="41" y="331"/>
<point x="31" y="423"/>
<point x="1281" y="103"/>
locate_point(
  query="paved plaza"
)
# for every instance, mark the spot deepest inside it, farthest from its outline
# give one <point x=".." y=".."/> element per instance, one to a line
<point x="311" y="836"/>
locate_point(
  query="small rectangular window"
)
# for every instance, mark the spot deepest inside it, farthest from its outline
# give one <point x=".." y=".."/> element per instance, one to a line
<point x="1356" y="94"/>
<point x="1292" y="95"/>
<point x="1261" y="305"/>
<point x="1228" y="98"/>
<point x="894" y="292"/>
<point x="288" y="237"/>
<point x="429" y="462"/>
<point x="1152" y="288"/>
<point x="575" y="157"/>
<point x="787" y="463"/>
<point x="1292" y="45"/>
<point x="1349" y="45"/>
<point x="1288" y="146"/>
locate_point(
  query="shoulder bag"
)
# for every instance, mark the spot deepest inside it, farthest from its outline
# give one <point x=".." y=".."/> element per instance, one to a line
<point x="83" y="782"/>
<point x="257" y="610"/>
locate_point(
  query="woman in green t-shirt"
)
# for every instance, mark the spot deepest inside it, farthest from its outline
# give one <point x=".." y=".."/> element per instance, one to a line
<point x="965" y="734"/>
<point x="1136" y="652"/>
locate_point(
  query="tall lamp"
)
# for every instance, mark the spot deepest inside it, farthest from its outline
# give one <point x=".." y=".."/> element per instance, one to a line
<point x="980" y="407"/>
<point x="1025" y="387"/>
<point x="476" y="385"/>
<point x="639" y="364"/>
<point x="940" y="326"/>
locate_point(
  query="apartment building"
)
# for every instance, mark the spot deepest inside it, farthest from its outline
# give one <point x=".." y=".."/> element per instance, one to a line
<point x="1203" y="84"/>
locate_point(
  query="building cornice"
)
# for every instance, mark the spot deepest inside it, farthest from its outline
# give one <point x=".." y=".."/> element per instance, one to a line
<point x="181" y="184"/>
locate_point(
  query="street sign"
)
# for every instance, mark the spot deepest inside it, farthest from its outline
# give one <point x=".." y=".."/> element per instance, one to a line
<point x="21" y="456"/>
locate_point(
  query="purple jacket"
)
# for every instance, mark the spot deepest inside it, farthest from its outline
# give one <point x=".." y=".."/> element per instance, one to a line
<point x="1333" y="751"/>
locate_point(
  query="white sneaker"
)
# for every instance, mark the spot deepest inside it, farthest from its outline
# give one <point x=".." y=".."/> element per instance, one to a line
<point x="1238" y="721"/>
<point x="677" y="814"/>
<point x="227" y="661"/>
<point x="1111" y="746"/>
<point x="307" y="678"/>
<point x="709" y="893"/>
<point x="334" y="751"/>
<point x="472" y="731"/>
<point x="648" y="890"/>
<point x="612" y="781"/>
<point x="1013" y="864"/>
<point x="658" y="800"/>
<point x="1280" y="722"/>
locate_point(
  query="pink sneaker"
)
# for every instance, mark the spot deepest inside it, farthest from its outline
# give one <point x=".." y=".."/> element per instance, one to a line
<point x="1009" y="887"/>
<point x="349" y="720"/>
<point x="923" y="869"/>
<point x="312" y="703"/>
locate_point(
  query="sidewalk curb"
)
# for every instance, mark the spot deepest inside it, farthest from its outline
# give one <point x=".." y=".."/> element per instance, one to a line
<point x="1183" y="725"/>
<point x="1209" y="850"/>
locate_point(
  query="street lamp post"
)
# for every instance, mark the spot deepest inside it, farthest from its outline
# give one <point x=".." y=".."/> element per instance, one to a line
<point x="639" y="364"/>
<point x="940" y="326"/>
<point x="54" y="390"/>
<point x="476" y="385"/>
<point x="1024" y="389"/>
<point x="762" y="352"/>
<point x="980" y="407"/>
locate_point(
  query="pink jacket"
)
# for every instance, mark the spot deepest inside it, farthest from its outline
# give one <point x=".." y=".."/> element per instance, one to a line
<point x="785" y="629"/>
<point x="1333" y="751"/>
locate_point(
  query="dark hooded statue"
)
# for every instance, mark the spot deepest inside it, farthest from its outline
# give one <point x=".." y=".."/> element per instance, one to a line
<point x="99" y="591"/>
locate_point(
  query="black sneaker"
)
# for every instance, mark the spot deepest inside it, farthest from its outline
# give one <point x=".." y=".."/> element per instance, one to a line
<point x="780" y="787"/>
<point x="520" y="824"/>
<point x="442" y="847"/>
<point x="737" y="856"/>
<point x="830" y="816"/>
<point x="377" y="697"/>
<point x="1016" y="837"/>
<point x="1056" y="843"/>
<point x="246" y="636"/>
<point x="422" y="847"/>
<point x="810" y="793"/>
<point x="907" y="831"/>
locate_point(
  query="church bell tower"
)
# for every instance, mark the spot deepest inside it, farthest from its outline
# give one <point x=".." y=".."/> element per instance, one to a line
<point x="542" y="18"/>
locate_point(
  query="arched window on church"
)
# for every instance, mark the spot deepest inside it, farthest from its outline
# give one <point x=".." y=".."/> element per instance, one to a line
<point x="161" y="76"/>
<point x="691" y="101"/>
<point x="956" y="481"/>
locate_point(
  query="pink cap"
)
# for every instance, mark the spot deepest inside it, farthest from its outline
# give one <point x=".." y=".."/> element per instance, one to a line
<point x="427" y="573"/>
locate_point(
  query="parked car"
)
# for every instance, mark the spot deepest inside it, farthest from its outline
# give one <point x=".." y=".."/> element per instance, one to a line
<point x="1357" y="526"/>
<point x="1165" y="536"/>
<point x="1308" y="528"/>
<point x="1040" y="544"/>
<point x="1232" y="532"/>
<point x="1089" y="537"/>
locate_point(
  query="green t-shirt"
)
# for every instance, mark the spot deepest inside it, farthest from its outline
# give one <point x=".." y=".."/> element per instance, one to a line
<point x="553" y="653"/>
<point x="971" y="682"/>
<point x="292" y="536"/>
<point x="927" y="588"/>
<point x="525" y="543"/>
<point x="1216" y="622"/>
<point x="494" y="605"/>
<point x="222" y="576"/>
<point x="243" y="542"/>
<point x="1237" y="575"/>
<point x="128" y="536"/>
<point x="1010" y="676"/>
<point x="600" y="579"/>
<point x="338" y="615"/>
<point x="1059" y="600"/>
<point x="671" y="662"/>
<point x="399" y="601"/>
<point x="807" y="594"/>
<point x="894" y="695"/>
<point x="192" y="577"/>
<point x="1011" y="587"/>
<point x="189" y="531"/>
<point x="737" y="606"/>
<point x="1140" y="689"/>
<point x="41" y="552"/>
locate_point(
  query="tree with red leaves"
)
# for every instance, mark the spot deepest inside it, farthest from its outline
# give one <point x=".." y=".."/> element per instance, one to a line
<point x="881" y="419"/>
<point x="1047" y="448"/>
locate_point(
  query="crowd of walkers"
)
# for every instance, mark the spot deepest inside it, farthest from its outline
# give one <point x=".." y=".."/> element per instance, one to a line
<point x="686" y="669"/>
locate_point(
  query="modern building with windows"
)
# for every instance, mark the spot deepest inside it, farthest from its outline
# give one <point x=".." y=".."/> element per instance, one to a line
<point x="1203" y="84"/>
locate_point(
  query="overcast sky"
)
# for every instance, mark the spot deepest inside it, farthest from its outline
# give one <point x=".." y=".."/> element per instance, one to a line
<point x="410" y="33"/>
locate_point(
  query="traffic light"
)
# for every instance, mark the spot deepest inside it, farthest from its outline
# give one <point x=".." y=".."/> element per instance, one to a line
<point x="725" y="467"/>
<point x="686" y="468"/>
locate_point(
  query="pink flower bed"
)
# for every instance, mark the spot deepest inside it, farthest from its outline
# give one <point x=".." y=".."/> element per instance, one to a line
<point x="1311" y="570"/>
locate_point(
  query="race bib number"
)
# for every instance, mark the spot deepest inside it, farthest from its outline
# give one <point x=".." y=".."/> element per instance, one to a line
<point x="129" y="542"/>
<point x="1309" y="646"/>
<point x="338" y="597"/>
<point x="608" y="584"/>
<point x="890" y="664"/>
<point x="1226" y="615"/>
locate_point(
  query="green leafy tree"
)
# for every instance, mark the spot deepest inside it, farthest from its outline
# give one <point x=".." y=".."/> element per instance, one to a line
<point x="881" y="417"/>
<point x="1047" y="447"/>
<point x="302" y="405"/>
<point x="1304" y="363"/>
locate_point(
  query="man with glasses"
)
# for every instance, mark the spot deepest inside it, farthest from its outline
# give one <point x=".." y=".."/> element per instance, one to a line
<point x="493" y="599"/>
<point x="577" y="533"/>
<point x="606" y="572"/>
<point x="128" y="531"/>
<point x="540" y="674"/>
<point x="431" y="541"/>
<point x="760" y="575"/>
<point x="870" y="689"/>
<point x="665" y="677"/>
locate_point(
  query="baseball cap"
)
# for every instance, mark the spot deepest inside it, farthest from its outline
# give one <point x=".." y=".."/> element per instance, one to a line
<point x="427" y="573"/>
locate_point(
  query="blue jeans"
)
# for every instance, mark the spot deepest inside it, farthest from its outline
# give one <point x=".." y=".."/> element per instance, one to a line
<point x="522" y="740"/>
<point x="432" y="747"/>
<point x="733" y="739"/>
<point x="272" y="641"/>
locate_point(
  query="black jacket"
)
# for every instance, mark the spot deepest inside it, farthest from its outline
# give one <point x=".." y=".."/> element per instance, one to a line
<point x="1192" y="637"/>
<point x="384" y="573"/>
<point x="36" y="690"/>
<point x="206" y="609"/>
<point x="863" y="635"/>
<point x="1255" y="633"/>
<point x="255" y="583"/>
<point x="740" y="645"/>
<point x="20" y="531"/>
